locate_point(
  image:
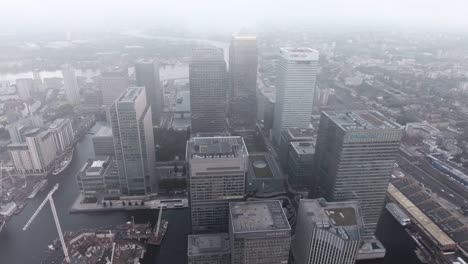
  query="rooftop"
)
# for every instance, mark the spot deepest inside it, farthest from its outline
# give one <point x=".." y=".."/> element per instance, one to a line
<point x="33" y="132"/>
<point x="296" y="133"/>
<point x="130" y="94"/>
<point x="263" y="166"/>
<point x="115" y="71"/>
<point x="208" y="54"/>
<point x="104" y="131"/>
<point x="216" y="147"/>
<point x="299" y="53"/>
<point x="361" y="120"/>
<point x="57" y="123"/>
<point x="340" y="218"/>
<point x="208" y="244"/>
<point x="304" y="147"/>
<point x="258" y="216"/>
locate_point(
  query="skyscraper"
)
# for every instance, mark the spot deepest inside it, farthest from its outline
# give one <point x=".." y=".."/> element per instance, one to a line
<point x="72" y="91"/>
<point x="354" y="158"/>
<point x="113" y="83"/>
<point x="243" y="62"/>
<point x="147" y="75"/>
<point x="24" y="88"/>
<point x="208" y="83"/>
<point x="132" y="129"/>
<point x="296" y="76"/>
<point x="217" y="167"/>
<point x="328" y="233"/>
<point x="259" y="232"/>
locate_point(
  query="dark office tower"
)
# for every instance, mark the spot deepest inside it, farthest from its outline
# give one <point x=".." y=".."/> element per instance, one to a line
<point x="147" y="75"/>
<point x="243" y="80"/>
<point x="354" y="158"/>
<point x="207" y="75"/>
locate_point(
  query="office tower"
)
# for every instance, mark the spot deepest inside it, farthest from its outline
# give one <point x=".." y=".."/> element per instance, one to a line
<point x="72" y="91"/>
<point x="296" y="76"/>
<point x="132" y="129"/>
<point x="113" y="83"/>
<point x="38" y="84"/>
<point x="147" y="75"/>
<point x="99" y="176"/>
<point x="301" y="163"/>
<point x="243" y="63"/>
<point x="217" y="167"/>
<point x="24" y="88"/>
<point x="327" y="233"/>
<point x="259" y="233"/>
<point x="18" y="128"/>
<point x="354" y="158"/>
<point x="103" y="142"/>
<point x="209" y="249"/>
<point x="293" y="134"/>
<point x="62" y="132"/>
<point x="207" y="76"/>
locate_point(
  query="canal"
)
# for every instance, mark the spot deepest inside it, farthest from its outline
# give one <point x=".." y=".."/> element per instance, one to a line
<point x="21" y="247"/>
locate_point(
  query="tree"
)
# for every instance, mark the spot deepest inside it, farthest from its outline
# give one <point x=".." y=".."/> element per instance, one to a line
<point x="110" y="203"/>
<point x="104" y="204"/>
<point x="184" y="170"/>
<point x="176" y="169"/>
<point x="142" y="203"/>
<point x="123" y="203"/>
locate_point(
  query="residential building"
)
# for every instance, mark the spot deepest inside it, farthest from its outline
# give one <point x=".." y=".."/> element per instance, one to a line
<point x="328" y="233"/>
<point x="354" y="158"/>
<point x="113" y="83"/>
<point x="62" y="132"/>
<point x="217" y="171"/>
<point x="147" y="75"/>
<point x="243" y="63"/>
<point x="295" y="89"/>
<point x="103" y="142"/>
<point x="132" y="129"/>
<point x="301" y="163"/>
<point x="209" y="249"/>
<point x="259" y="233"/>
<point x="208" y="87"/>
<point x="72" y="91"/>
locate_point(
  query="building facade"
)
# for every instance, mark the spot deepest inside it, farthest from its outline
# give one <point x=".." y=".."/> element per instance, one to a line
<point x="113" y="83"/>
<point x="243" y="63"/>
<point x="209" y="249"/>
<point x="354" y="158"/>
<point x="62" y="132"/>
<point x="147" y="75"/>
<point x="99" y="176"/>
<point x="72" y="91"/>
<point x="295" y="89"/>
<point x="24" y="88"/>
<point x="259" y="233"/>
<point x="217" y="171"/>
<point x="329" y="232"/>
<point x="208" y="90"/>
<point x="132" y="128"/>
<point x="301" y="163"/>
<point x="103" y="142"/>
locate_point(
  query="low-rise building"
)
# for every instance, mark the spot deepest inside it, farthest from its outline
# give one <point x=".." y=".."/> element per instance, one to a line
<point x="99" y="176"/>
<point x="209" y="249"/>
<point x="263" y="175"/>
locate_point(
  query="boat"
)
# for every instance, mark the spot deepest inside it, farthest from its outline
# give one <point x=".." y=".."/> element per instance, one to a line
<point x="156" y="239"/>
<point x="398" y="214"/>
<point x="64" y="163"/>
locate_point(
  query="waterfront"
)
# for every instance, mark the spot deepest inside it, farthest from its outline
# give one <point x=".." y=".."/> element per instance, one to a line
<point x="17" y="246"/>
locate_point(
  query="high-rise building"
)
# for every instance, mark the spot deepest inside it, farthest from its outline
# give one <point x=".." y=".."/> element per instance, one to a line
<point x="132" y="128"/>
<point x="209" y="249"/>
<point x="113" y="83"/>
<point x="243" y="63"/>
<point x="103" y="142"/>
<point x="354" y="158"/>
<point x="72" y="91"/>
<point x="62" y="132"/>
<point x="259" y="233"/>
<point x="293" y="134"/>
<point x="147" y="75"/>
<point x="24" y="88"/>
<point x="208" y="83"/>
<point x="301" y="163"/>
<point x="328" y="233"/>
<point x="295" y="89"/>
<point x="217" y="167"/>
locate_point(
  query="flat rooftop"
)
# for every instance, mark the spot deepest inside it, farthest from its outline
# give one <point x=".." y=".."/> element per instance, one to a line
<point x="296" y="133"/>
<point x="361" y="120"/>
<point x="130" y="94"/>
<point x="208" y="244"/>
<point x="304" y="147"/>
<point x="263" y="167"/>
<point x="299" y="53"/>
<point x="208" y="54"/>
<point x="115" y="71"/>
<point x="216" y="147"/>
<point x="258" y="216"/>
<point x="104" y="131"/>
<point x="57" y="122"/>
<point x="340" y="218"/>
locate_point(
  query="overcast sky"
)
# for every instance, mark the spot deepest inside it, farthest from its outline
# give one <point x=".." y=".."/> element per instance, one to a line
<point x="22" y="14"/>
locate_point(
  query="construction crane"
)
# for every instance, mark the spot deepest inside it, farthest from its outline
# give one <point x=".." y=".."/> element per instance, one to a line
<point x="57" y="223"/>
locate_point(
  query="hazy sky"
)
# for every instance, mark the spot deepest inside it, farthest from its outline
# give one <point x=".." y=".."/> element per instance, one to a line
<point x="213" y="13"/>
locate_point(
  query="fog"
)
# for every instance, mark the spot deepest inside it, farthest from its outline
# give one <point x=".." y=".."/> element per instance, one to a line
<point x="49" y="14"/>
